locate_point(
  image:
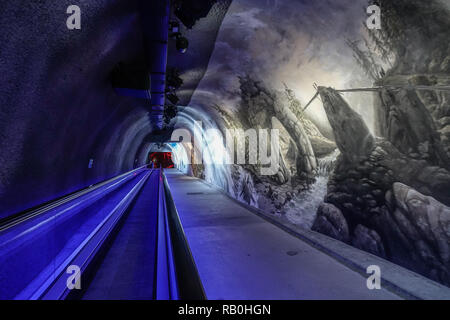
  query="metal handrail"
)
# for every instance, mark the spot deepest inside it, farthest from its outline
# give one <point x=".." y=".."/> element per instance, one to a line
<point x="86" y="252"/>
<point x="23" y="216"/>
<point x="166" y="281"/>
<point x="15" y="229"/>
<point x="176" y="272"/>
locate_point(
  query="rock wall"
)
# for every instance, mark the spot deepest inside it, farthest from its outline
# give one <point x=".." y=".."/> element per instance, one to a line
<point x="368" y="204"/>
<point x="416" y="122"/>
<point x="352" y="136"/>
<point x="260" y="104"/>
<point x="390" y="195"/>
<point x="415" y="33"/>
<point x="359" y="209"/>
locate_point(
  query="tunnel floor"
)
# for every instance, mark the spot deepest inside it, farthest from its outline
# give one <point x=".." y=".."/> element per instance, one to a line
<point x="241" y="256"/>
<point x="152" y="234"/>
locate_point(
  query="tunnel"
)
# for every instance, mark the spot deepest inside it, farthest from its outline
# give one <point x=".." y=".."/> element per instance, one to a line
<point x="195" y="150"/>
<point x="161" y="160"/>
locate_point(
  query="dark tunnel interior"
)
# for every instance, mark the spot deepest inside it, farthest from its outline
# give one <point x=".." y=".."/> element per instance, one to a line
<point x="229" y="149"/>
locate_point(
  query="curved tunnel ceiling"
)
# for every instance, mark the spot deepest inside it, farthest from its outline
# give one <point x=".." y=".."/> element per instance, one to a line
<point x="58" y="109"/>
<point x="202" y="38"/>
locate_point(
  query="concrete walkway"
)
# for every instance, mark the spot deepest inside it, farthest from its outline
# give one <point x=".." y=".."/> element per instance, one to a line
<point x="241" y="256"/>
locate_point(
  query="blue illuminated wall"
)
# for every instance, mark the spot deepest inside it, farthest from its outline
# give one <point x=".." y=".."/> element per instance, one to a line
<point x="57" y="107"/>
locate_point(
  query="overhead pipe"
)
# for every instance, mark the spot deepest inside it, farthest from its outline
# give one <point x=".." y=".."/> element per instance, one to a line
<point x="155" y="16"/>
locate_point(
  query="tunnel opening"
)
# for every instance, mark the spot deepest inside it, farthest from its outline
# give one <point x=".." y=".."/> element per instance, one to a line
<point x="161" y="159"/>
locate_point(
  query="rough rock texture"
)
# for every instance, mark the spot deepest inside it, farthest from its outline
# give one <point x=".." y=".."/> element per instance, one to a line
<point x="407" y="123"/>
<point x="258" y="113"/>
<point x="395" y="198"/>
<point x="260" y="105"/>
<point x="363" y="193"/>
<point x="368" y="240"/>
<point x="416" y="33"/>
<point x="296" y="180"/>
<point x="321" y="145"/>
<point x="381" y="221"/>
<point x="306" y="161"/>
<point x="426" y="222"/>
<point x="352" y="136"/>
<point x="331" y="222"/>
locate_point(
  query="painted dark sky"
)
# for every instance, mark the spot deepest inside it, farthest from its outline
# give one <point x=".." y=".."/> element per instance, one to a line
<point x="298" y="42"/>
